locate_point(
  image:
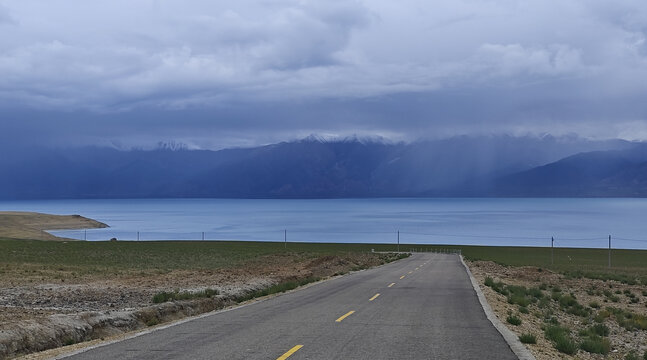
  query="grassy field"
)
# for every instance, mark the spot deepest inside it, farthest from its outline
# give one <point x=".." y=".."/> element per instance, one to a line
<point x="88" y="258"/>
<point x="97" y="257"/>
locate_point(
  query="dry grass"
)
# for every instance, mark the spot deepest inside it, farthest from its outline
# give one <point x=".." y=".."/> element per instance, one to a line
<point x="29" y="225"/>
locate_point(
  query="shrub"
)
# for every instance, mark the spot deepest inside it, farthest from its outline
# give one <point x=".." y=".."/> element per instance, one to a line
<point x="528" y="339"/>
<point x="554" y="332"/>
<point x="278" y="288"/>
<point x="594" y="304"/>
<point x="561" y="339"/>
<point x="628" y="320"/>
<point x="567" y="300"/>
<point x="543" y="286"/>
<point x="600" y="329"/>
<point x="631" y="355"/>
<point x="518" y="300"/>
<point x="601" y="316"/>
<point x="511" y="319"/>
<point x="596" y="345"/>
<point x="536" y="293"/>
<point x="523" y="310"/>
<point x="566" y="345"/>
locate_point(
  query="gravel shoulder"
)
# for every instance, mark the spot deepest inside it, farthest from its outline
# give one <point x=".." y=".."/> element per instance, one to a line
<point x="576" y="304"/>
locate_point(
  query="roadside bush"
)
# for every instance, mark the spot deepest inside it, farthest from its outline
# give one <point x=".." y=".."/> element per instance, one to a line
<point x="512" y="319"/>
<point x="628" y="320"/>
<point x="566" y="345"/>
<point x="518" y="300"/>
<point x="600" y="329"/>
<point x="497" y="286"/>
<point x="594" y="305"/>
<point x="543" y="286"/>
<point x="561" y="339"/>
<point x="528" y="339"/>
<point x="601" y="316"/>
<point x="631" y="355"/>
<point x="278" y="288"/>
<point x="596" y="345"/>
<point x="524" y="310"/>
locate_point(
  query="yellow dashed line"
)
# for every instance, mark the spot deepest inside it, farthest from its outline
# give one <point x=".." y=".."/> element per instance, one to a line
<point x="345" y="316"/>
<point x="401" y="277"/>
<point x="391" y="284"/>
<point x="290" y="352"/>
<point x="374" y="297"/>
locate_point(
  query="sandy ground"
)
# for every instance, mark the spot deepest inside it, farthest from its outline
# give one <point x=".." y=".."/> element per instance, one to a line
<point x="586" y="292"/>
<point x="29" y="225"/>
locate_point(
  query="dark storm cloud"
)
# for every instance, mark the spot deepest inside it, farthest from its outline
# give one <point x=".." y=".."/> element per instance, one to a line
<point x="220" y="74"/>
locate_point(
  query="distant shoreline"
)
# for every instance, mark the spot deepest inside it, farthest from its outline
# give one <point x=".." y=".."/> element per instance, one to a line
<point x="34" y="226"/>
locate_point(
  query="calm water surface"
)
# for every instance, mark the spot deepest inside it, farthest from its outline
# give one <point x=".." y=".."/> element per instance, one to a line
<point x="527" y="222"/>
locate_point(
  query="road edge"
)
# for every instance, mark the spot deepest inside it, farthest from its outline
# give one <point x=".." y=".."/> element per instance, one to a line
<point x="516" y="346"/>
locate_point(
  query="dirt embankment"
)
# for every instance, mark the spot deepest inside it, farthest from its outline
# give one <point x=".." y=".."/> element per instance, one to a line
<point x="46" y="315"/>
<point x="595" y="319"/>
<point x="30" y="225"/>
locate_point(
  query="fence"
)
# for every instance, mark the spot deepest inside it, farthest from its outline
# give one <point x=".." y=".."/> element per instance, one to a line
<point x="376" y="237"/>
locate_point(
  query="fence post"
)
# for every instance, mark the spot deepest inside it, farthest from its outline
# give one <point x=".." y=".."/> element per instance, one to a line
<point x="552" y="250"/>
<point x="609" y="251"/>
<point x="398" y="240"/>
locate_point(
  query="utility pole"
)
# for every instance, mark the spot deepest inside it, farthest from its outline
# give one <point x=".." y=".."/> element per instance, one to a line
<point x="203" y="236"/>
<point x="285" y="238"/>
<point x="609" y="251"/>
<point x="138" y="236"/>
<point x="552" y="250"/>
<point x="85" y="235"/>
<point x="398" y="240"/>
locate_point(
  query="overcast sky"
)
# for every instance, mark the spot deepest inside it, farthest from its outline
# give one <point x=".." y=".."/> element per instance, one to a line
<point x="228" y="73"/>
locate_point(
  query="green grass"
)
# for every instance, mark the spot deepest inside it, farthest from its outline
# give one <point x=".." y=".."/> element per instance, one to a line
<point x="275" y="289"/>
<point x="528" y="339"/>
<point x="561" y="339"/>
<point x="596" y="345"/>
<point x="104" y="258"/>
<point x="628" y="320"/>
<point x="514" y="320"/>
<point x="628" y="265"/>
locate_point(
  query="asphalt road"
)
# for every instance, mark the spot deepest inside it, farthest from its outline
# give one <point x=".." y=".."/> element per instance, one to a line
<point x="426" y="309"/>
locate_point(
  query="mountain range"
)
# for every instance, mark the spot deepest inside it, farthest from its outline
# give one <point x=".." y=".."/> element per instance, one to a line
<point x="501" y="166"/>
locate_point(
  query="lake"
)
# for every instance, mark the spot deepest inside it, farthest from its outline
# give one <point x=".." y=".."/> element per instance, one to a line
<point x="524" y="222"/>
